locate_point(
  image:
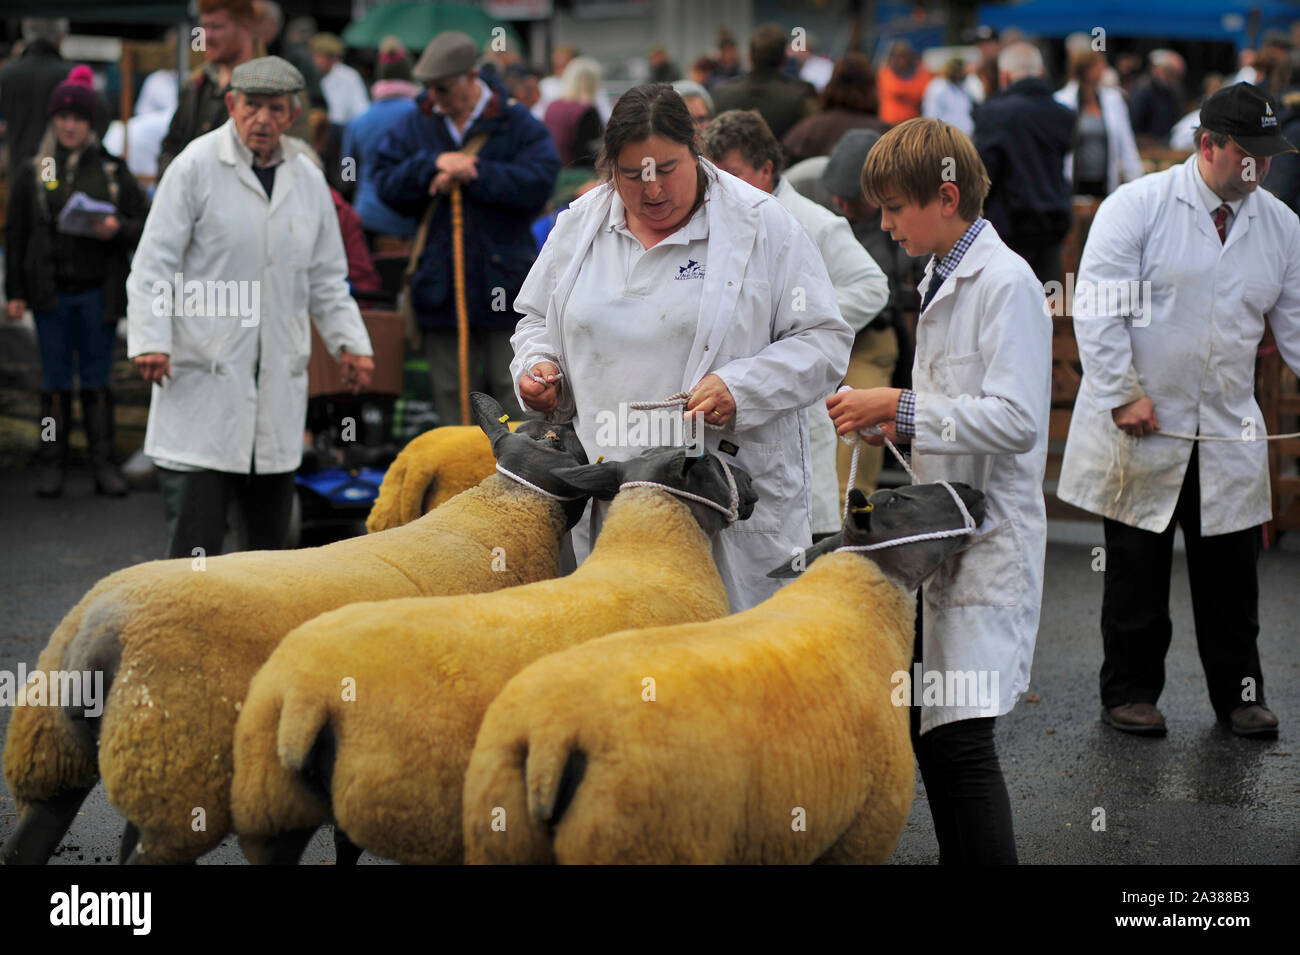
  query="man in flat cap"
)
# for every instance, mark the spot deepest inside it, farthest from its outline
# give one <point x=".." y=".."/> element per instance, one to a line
<point x="503" y="188"/>
<point x="344" y="89"/>
<point x="241" y="247"/>
<point x="1178" y="272"/>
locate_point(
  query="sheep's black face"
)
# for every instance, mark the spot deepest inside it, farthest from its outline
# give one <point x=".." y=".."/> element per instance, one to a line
<point x="893" y="513"/>
<point x="534" y="452"/>
<point x="673" y="468"/>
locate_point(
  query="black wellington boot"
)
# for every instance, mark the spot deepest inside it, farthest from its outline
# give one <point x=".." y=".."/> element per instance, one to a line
<point x="97" y="416"/>
<point x="52" y="451"/>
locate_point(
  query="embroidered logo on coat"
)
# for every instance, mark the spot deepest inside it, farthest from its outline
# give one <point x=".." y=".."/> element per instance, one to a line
<point x="691" y="270"/>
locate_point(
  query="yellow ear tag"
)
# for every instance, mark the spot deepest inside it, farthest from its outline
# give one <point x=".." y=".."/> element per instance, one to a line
<point x="864" y="509"/>
<point x="599" y="459"/>
<point x="504" y="418"/>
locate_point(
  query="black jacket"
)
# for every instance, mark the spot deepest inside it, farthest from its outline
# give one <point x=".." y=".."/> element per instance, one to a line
<point x="40" y="261"/>
<point x="1023" y="135"/>
<point x="781" y="100"/>
<point x="25" y="88"/>
<point x="1284" y="171"/>
<point x="1156" y="108"/>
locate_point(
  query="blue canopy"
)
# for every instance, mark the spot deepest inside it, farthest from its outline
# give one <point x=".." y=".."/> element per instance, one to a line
<point x="1225" y="21"/>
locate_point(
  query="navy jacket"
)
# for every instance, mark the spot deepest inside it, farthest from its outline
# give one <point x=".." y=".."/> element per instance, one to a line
<point x="1284" y="171"/>
<point x="1023" y="135"/>
<point x="517" y="167"/>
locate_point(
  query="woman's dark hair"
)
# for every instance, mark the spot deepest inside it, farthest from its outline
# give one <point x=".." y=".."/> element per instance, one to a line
<point x="852" y="85"/>
<point x="654" y="109"/>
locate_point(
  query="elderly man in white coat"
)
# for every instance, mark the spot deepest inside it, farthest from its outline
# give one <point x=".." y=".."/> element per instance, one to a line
<point x="741" y="143"/>
<point x="673" y="276"/>
<point x="1179" y="270"/>
<point x="241" y="245"/>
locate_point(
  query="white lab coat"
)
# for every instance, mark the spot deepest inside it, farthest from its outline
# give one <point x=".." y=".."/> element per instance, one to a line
<point x="1123" y="164"/>
<point x="768" y="327"/>
<point x="237" y="390"/>
<point x="1195" y="357"/>
<point x="982" y="378"/>
<point x="861" y="290"/>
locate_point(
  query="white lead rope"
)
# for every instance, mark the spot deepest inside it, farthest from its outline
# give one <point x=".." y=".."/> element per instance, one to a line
<point x="855" y="439"/>
<point x="731" y="513"/>
<point x="533" y="487"/>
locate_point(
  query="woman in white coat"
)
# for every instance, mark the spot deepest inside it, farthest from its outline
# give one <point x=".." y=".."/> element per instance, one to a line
<point x="673" y="276"/>
<point x="1104" y="134"/>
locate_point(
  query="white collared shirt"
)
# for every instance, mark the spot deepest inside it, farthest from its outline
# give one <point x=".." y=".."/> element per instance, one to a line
<point x="630" y="300"/>
<point x="484" y="97"/>
<point x="1211" y="201"/>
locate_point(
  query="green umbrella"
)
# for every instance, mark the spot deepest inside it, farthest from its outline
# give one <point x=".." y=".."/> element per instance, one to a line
<point x="415" y="24"/>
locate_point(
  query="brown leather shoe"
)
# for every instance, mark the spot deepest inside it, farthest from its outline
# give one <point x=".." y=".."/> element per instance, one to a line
<point x="1254" y="720"/>
<point x="1141" y="718"/>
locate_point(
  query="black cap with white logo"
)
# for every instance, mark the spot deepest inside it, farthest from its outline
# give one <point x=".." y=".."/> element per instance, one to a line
<point x="1243" y="112"/>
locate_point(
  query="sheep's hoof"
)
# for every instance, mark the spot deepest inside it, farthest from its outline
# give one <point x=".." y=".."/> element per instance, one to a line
<point x="40" y="827"/>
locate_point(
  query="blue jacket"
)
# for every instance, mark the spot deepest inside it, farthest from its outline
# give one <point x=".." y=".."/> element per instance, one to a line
<point x="361" y="141"/>
<point x="517" y="167"/>
<point x="1023" y="135"/>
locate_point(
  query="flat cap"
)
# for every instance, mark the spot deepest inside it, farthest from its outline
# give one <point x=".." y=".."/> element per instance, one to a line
<point x="327" y="43"/>
<point x="267" y="76"/>
<point x="447" y="54"/>
<point x="843" y="174"/>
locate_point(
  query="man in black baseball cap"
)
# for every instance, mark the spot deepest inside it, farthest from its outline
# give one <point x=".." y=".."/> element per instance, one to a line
<point x="1244" y="114"/>
<point x="1208" y="255"/>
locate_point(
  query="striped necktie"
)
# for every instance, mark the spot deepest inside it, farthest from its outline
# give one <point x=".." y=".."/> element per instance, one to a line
<point x="1221" y="221"/>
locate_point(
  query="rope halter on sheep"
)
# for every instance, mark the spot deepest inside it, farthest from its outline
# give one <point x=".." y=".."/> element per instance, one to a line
<point x="731" y="513"/>
<point x="855" y="439"/>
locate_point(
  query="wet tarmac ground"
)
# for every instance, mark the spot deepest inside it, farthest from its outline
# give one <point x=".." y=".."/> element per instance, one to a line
<point x="1080" y="791"/>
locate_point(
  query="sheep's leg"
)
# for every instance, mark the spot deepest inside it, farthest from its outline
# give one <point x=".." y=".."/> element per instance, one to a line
<point x="284" y="848"/>
<point x="41" y="826"/>
<point x="130" y="838"/>
<point x="346" y="852"/>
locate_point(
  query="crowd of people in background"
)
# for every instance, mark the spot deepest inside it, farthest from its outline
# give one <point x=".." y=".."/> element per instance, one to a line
<point x="1043" y="136"/>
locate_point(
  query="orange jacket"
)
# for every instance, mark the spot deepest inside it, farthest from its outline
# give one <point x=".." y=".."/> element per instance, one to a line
<point x="900" y="99"/>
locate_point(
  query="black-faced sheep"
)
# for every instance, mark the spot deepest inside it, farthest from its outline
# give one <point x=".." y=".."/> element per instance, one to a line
<point x="179" y="640"/>
<point x="387" y="761"/>
<point x="770" y="736"/>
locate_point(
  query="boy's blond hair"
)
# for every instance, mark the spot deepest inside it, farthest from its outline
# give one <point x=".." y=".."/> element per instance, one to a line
<point x="916" y="157"/>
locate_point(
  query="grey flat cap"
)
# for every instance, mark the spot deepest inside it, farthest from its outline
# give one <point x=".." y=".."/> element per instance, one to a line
<point x="843" y="174"/>
<point x="447" y="54"/>
<point x="267" y="76"/>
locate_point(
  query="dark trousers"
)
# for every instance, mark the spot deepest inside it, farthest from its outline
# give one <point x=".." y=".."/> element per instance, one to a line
<point x="1135" y="624"/>
<point x="202" y="499"/>
<point x="964" y="785"/>
<point x="74" y="340"/>
<point x="490" y="355"/>
<point x="1042" y="252"/>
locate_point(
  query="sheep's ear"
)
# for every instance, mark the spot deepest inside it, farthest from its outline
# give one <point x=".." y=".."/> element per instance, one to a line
<point x="801" y="561"/>
<point x="598" y="480"/>
<point x="490" y="416"/>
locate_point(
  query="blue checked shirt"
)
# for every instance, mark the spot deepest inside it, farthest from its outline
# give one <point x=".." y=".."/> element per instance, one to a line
<point x="905" y="420"/>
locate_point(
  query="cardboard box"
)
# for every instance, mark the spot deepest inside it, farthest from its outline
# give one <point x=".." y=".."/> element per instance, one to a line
<point x="387" y="341"/>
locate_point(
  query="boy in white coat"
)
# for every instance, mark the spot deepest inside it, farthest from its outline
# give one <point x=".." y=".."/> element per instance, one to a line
<point x="977" y="412"/>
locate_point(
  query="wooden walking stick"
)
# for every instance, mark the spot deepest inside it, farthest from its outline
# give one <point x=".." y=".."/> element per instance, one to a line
<point x="462" y="307"/>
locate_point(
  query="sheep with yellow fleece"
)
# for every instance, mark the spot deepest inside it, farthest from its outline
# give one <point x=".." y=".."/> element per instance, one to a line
<point x="767" y="736"/>
<point x="433" y="468"/>
<point x="367" y="715"/>
<point x="178" y="642"/>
